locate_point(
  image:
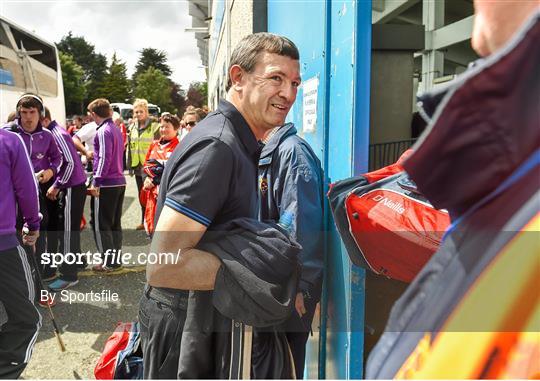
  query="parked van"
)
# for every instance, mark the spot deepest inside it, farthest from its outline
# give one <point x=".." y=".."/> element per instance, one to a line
<point x="126" y="110"/>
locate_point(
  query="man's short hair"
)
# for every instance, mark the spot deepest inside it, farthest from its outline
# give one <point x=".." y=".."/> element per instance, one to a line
<point x="172" y="119"/>
<point x="47" y="113"/>
<point x="140" y="102"/>
<point x="248" y="50"/>
<point x="101" y="107"/>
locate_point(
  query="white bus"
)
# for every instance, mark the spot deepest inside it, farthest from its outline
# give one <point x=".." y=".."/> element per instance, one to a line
<point x="29" y="64"/>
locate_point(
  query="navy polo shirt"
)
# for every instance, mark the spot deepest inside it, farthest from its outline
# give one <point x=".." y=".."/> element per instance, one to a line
<point x="211" y="177"/>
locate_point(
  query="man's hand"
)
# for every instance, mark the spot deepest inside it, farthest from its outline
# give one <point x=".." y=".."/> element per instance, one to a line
<point x="29" y="238"/>
<point x="148" y="184"/>
<point x="89" y="155"/>
<point x="52" y="193"/>
<point x="94" y="191"/>
<point x="299" y="304"/>
<point x="45" y="176"/>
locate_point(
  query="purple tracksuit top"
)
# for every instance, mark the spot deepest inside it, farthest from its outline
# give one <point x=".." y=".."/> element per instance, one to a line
<point x="71" y="172"/>
<point x="17" y="187"/>
<point x="108" y="153"/>
<point x="41" y="147"/>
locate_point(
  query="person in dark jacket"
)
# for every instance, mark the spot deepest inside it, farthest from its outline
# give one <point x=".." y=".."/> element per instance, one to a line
<point x="256" y="285"/>
<point x="479" y="159"/>
<point x="17" y="291"/>
<point x="211" y="179"/>
<point x="291" y="193"/>
<point x="67" y="195"/>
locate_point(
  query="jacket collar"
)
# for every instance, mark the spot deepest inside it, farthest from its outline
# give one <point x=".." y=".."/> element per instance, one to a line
<point x="146" y="124"/>
<point x="240" y="125"/>
<point x="281" y="134"/>
<point x="108" y="120"/>
<point x="481" y="127"/>
<point x="52" y="125"/>
<point x="39" y="128"/>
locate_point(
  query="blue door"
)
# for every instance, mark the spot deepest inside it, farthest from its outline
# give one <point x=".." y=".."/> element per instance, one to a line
<point x="332" y="114"/>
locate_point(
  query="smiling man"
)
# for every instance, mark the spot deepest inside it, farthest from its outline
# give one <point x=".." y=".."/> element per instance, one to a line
<point x="211" y="179"/>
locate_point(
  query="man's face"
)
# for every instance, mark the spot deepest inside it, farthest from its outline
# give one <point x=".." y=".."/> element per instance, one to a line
<point x="190" y="121"/>
<point x="269" y="92"/>
<point x="29" y="118"/>
<point x="140" y="113"/>
<point x="495" y="22"/>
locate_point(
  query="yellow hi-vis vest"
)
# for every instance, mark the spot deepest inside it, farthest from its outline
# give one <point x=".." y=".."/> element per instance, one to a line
<point x="140" y="140"/>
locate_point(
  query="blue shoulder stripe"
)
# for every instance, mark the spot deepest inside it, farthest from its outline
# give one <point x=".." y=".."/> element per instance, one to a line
<point x="187" y="212"/>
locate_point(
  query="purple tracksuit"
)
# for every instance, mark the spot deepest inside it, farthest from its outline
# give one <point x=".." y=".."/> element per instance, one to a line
<point x="106" y="210"/>
<point x="108" y="154"/>
<point x="18" y="186"/>
<point x="71" y="172"/>
<point x="42" y="148"/>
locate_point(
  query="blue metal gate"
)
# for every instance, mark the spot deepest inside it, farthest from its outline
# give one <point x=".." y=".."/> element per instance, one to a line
<point x="334" y="38"/>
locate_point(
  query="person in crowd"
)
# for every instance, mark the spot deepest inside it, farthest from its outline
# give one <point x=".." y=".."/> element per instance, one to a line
<point x="19" y="329"/>
<point x="154" y="164"/>
<point x="67" y="195"/>
<point x="210" y="179"/>
<point x="84" y="143"/>
<point x="12" y="117"/>
<point x="46" y="160"/>
<point x="142" y="132"/>
<point x="108" y="186"/>
<point x="76" y="126"/>
<point x="291" y="194"/>
<point x="119" y="122"/>
<point x="479" y="159"/>
<point x="190" y="119"/>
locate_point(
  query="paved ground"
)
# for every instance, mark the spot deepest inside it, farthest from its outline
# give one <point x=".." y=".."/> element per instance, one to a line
<point x="87" y="325"/>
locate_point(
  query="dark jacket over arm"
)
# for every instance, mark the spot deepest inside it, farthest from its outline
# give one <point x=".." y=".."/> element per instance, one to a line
<point x="256" y="286"/>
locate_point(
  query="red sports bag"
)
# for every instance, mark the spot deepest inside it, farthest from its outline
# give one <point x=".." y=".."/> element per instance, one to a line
<point x="386" y="225"/>
<point x="122" y="355"/>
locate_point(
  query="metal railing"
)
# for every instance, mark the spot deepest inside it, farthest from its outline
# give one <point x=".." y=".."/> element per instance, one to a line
<point x="383" y="154"/>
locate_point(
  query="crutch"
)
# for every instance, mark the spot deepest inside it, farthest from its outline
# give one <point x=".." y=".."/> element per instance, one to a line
<point x="40" y="282"/>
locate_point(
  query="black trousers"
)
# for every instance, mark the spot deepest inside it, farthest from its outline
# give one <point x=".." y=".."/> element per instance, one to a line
<point x="64" y="231"/>
<point x="296" y="330"/>
<point x="139" y="179"/>
<point x="297" y="335"/>
<point x="106" y="219"/>
<point x="46" y="208"/>
<point x="17" y="292"/>
<point x="161" y="334"/>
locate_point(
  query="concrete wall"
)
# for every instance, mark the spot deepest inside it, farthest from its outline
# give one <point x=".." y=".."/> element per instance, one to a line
<point x="241" y="14"/>
<point x="391" y="96"/>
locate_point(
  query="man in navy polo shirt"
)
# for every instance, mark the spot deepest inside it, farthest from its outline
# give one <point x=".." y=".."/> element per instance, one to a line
<point x="212" y="178"/>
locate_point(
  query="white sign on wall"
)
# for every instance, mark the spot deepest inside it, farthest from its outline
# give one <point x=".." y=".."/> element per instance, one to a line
<point x="311" y="89"/>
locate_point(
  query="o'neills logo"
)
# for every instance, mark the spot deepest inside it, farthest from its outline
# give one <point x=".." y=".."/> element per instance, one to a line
<point x="396" y="206"/>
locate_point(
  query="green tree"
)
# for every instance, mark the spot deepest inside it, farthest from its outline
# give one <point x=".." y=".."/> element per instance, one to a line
<point x="178" y="99"/>
<point x="97" y="75"/>
<point x="83" y="53"/>
<point x="116" y="87"/>
<point x="155" y="87"/>
<point x="152" y="57"/>
<point x="197" y="94"/>
<point x="74" y="87"/>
